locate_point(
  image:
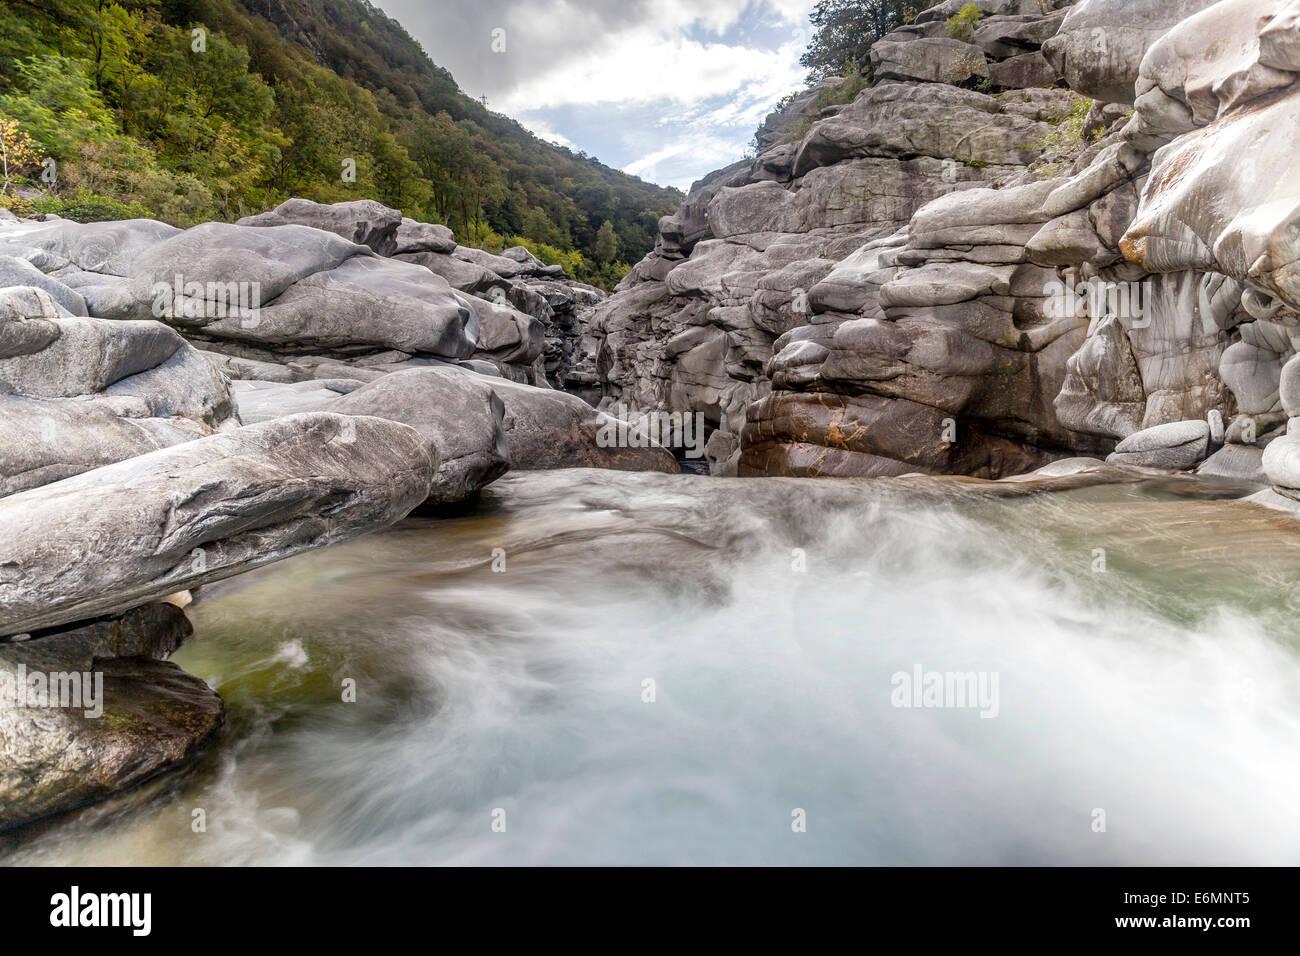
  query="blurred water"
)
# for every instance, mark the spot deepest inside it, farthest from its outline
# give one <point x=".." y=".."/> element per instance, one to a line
<point x="1163" y="690"/>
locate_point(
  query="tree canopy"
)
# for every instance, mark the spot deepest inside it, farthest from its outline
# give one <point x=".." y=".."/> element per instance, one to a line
<point x="843" y="31"/>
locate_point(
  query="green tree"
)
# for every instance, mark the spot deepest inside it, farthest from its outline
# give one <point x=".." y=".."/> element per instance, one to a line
<point x="843" y="31"/>
<point x="605" y="247"/>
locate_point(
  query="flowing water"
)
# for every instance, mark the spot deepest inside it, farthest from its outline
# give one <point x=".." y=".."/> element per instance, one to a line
<point x="674" y="669"/>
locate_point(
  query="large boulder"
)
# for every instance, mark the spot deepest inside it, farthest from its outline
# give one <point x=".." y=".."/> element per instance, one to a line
<point x="15" y="271"/>
<point x="458" y="411"/>
<point x="77" y="393"/>
<point x="480" y="424"/>
<point x="1100" y="44"/>
<point x="415" y="237"/>
<point x="363" y="221"/>
<point x="929" y="60"/>
<point x="90" y="712"/>
<point x="104" y="248"/>
<point x="1174" y="445"/>
<point x="187" y="278"/>
<point x="548" y="429"/>
<point x="150" y="526"/>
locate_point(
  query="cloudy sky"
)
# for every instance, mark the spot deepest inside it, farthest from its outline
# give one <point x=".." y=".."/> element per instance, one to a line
<point x="665" y="89"/>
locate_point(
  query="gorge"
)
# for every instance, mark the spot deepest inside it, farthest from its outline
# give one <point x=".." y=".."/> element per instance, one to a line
<point x="367" y="531"/>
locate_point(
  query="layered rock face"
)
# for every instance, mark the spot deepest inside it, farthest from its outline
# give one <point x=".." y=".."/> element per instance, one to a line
<point x="970" y="268"/>
<point x="1216" y="105"/>
<point x="789" y="302"/>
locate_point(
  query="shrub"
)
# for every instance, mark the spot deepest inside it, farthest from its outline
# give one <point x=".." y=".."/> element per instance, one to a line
<point x="852" y="82"/>
<point x="1068" y="130"/>
<point x="961" y="25"/>
<point x="82" y="206"/>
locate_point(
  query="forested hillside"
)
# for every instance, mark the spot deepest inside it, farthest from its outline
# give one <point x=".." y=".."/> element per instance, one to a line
<point x="188" y="110"/>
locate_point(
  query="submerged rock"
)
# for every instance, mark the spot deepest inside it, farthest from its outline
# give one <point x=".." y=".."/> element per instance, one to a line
<point x="89" y="712"/>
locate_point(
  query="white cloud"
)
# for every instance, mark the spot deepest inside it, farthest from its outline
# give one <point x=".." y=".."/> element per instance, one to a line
<point x="668" y="88"/>
<point x="654" y="62"/>
<point x="541" y="130"/>
<point x="639" y="166"/>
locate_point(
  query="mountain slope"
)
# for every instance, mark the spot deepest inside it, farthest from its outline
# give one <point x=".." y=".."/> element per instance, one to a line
<point x="327" y="99"/>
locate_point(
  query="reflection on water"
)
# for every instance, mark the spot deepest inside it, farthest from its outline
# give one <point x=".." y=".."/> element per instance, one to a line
<point x="651" y="678"/>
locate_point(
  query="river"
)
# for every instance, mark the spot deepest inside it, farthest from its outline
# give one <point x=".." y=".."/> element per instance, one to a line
<point x="612" y="668"/>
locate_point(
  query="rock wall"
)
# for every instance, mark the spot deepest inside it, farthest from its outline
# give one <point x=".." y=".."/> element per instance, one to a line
<point x="970" y="268"/>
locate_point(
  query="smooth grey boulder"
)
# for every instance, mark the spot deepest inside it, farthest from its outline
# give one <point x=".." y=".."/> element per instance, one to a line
<point x="108" y="248"/>
<point x="216" y="257"/>
<point x="78" y="393"/>
<point x="136" y="716"/>
<point x="1218" y="432"/>
<point x="1289" y="386"/>
<point x="502" y="266"/>
<point x="363" y="221"/>
<point x="261" y="401"/>
<point x="150" y="526"/>
<point x="20" y="272"/>
<point x="1240" y="462"/>
<point x="364" y="301"/>
<point x="1281" y="461"/>
<point x="47" y="440"/>
<point x="458" y="411"/>
<point x="1174" y="445"/>
<point x="415" y="236"/>
<point x="460" y="274"/>
<point x="455" y="409"/>
<point x="1100" y="44"/>
<point x="547" y="429"/>
<point x="506" y="334"/>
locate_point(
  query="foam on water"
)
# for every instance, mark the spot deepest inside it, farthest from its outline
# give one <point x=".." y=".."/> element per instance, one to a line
<point x="1173" y="708"/>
